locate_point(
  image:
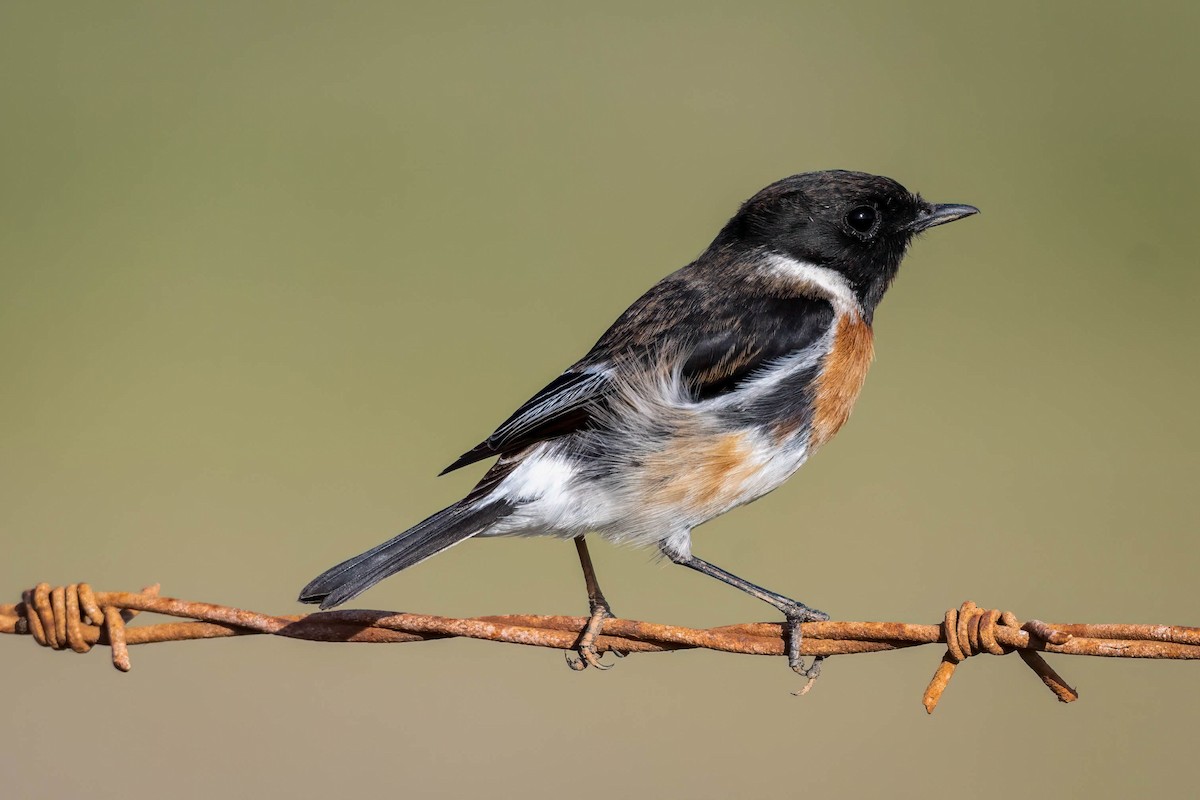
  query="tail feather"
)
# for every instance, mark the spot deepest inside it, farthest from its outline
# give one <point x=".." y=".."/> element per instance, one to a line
<point x="439" y="532"/>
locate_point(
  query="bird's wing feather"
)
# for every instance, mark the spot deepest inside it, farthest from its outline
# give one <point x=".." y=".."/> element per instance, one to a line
<point x="561" y="407"/>
<point x="730" y="336"/>
<point x="758" y="334"/>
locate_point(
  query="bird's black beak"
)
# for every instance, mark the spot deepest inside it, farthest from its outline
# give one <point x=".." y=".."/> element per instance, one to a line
<point x="940" y="214"/>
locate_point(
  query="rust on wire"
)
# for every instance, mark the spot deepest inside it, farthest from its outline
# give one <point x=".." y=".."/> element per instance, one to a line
<point x="76" y="618"/>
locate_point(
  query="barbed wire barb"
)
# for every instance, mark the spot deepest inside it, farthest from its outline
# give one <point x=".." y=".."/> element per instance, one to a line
<point x="76" y="618"/>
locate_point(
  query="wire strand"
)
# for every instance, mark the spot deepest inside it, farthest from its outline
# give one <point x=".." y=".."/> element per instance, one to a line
<point x="76" y="618"/>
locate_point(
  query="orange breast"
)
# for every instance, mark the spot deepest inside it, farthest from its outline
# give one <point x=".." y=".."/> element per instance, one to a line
<point x="842" y="378"/>
<point x="701" y="472"/>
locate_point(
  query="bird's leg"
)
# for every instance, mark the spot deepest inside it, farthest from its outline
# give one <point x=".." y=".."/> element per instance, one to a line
<point x="599" y="610"/>
<point x="794" y="611"/>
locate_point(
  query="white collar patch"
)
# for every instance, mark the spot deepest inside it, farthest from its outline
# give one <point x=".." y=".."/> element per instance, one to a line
<point x="822" y="281"/>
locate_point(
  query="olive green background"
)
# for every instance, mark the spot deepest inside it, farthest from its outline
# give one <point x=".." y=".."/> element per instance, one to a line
<point x="266" y="268"/>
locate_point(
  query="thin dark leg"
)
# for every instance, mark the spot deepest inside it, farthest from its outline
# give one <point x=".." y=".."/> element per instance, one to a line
<point x="599" y="609"/>
<point x="793" y="610"/>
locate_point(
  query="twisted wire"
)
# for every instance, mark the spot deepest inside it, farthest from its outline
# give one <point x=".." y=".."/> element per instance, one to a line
<point x="76" y="618"/>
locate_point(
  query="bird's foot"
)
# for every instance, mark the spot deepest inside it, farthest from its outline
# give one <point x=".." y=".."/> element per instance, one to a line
<point x="797" y="615"/>
<point x="585" y="645"/>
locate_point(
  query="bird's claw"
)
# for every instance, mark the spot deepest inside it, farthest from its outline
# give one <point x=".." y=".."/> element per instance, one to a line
<point x="588" y="657"/>
<point x="585" y="646"/>
<point x="812" y="671"/>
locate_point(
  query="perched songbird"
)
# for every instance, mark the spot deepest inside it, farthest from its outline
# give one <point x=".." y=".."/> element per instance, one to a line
<point x="707" y="393"/>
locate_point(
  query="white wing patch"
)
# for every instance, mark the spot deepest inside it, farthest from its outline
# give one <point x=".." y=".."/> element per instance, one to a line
<point x="770" y="375"/>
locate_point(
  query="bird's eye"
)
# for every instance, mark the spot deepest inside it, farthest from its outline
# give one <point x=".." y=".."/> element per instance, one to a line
<point x="862" y="219"/>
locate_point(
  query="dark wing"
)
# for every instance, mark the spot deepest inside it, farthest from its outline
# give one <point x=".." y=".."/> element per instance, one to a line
<point x="563" y="406"/>
<point x="726" y="334"/>
<point x="722" y="326"/>
<point x="763" y="332"/>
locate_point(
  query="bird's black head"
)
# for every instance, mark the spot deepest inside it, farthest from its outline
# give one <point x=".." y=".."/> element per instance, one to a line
<point x="857" y="224"/>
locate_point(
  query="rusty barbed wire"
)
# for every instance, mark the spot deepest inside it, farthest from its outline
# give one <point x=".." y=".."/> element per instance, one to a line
<point x="76" y="617"/>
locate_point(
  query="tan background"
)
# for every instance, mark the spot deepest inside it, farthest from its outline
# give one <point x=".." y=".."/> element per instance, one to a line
<point x="266" y="268"/>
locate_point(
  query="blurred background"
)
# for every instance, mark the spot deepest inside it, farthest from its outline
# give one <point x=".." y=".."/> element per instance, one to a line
<point x="266" y="268"/>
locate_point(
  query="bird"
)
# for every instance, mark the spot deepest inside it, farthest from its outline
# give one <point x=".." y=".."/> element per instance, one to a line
<point x="707" y="393"/>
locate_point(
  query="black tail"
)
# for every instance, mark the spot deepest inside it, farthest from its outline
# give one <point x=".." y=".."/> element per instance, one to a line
<point x="444" y="529"/>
